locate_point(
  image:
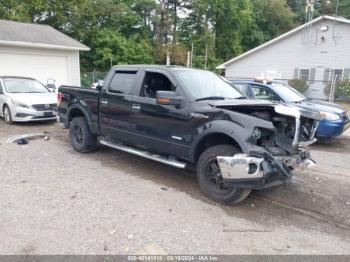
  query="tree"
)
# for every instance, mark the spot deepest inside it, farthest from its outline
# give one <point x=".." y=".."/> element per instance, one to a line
<point x="270" y="19"/>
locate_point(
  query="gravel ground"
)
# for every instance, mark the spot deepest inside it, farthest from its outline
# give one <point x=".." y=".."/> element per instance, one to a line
<point x="56" y="201"/>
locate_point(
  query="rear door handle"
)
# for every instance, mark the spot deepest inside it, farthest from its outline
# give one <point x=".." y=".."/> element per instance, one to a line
<point x="136" y="107"/>
<point x="104" y="101"/>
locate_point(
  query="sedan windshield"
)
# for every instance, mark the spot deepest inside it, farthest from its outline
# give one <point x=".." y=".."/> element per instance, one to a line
<point x="23" y="85"/>
<point x="287" y="93"/>
<point x="204" y="85"/>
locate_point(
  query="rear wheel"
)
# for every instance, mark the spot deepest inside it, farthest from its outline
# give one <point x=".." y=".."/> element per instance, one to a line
<point x="210" y="178"/>
<point x="7" y="115"/>
<point x="80" y="136"/>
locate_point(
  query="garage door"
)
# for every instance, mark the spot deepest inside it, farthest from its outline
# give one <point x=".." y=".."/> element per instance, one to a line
<point x="39" y="66"/>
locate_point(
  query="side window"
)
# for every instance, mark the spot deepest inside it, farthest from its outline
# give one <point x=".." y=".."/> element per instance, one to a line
<point x="263" y="93"/>
<point x="122" y="82"/>
<point x="1" y="89"/>
<point x="242" y="87"/>
<point x="154" y="82"/>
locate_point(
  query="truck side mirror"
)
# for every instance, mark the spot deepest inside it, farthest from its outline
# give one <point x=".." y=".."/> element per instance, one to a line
<point x="99" y="84"/>
<point x="168" y="98"/>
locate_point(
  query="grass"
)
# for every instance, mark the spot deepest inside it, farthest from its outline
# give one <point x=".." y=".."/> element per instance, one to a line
<point x="344" y="104"/>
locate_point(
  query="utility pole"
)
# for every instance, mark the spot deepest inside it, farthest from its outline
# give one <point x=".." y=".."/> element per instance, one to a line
<point x="206" y="56"/>
<point x="191" y="54"/>
<point x="335" y="20"/>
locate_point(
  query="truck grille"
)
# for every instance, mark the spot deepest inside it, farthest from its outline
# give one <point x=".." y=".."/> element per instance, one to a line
<point x="45" y="107"/>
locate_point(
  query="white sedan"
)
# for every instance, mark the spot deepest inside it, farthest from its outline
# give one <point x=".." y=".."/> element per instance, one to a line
<point x="24" y="99"/>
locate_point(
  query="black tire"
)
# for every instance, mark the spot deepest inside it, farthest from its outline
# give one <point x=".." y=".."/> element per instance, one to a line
<point x="80" y="136"/>
<point x="7" y="115"/>
<point x="210" y="179"/>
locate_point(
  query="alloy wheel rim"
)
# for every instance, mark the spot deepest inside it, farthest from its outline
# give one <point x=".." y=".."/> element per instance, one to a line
<point x="214" y="177"/>
<point x="78" y="135"/>
<point x="7" y="115"/>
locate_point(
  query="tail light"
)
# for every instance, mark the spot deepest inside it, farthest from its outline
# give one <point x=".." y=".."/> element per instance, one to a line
<point x="59" y="97"/>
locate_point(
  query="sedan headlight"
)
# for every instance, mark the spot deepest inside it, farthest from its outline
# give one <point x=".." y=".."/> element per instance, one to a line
<point x="19" y="104"/>
<point x="329" y="116"/>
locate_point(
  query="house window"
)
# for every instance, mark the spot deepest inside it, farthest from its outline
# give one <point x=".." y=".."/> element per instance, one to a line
<point x="338" y="74"/>
<point x="304" y="74"/>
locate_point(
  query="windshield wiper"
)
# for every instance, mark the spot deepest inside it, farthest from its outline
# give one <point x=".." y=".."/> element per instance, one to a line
<point x="211" y="98"/>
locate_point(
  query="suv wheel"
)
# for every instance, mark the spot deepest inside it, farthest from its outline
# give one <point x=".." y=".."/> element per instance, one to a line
<point x="210" y="178"/>
<point x="7" y="115"/>
<point x="80" y="136"/>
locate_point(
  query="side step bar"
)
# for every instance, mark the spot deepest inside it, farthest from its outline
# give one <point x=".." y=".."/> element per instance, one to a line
<point x="145" y="154"/>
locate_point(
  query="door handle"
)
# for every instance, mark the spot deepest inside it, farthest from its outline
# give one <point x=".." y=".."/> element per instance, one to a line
<point x="104" y="101"/>
<point x="136" y="107"/>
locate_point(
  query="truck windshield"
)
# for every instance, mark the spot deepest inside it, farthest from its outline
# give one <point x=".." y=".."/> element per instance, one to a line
<point x="206" y="85"/>
<point x="23" y="85"/>
<point x="288" y="93"/>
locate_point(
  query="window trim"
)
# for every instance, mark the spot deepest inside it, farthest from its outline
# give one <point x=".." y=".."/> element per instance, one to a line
<point x="299" y="73"/>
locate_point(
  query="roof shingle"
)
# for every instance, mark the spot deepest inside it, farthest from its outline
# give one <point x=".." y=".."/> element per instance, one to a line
<point x="36" y="34"/>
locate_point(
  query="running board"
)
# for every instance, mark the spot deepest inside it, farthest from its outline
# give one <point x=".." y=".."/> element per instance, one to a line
<point x="145" y="154"/>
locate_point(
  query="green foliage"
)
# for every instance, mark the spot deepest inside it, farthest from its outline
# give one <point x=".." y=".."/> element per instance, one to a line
<point x="344" y="87"/>
<point x="146" y="31"/>
<point x="298" y="84"/>
<point x="337" y="91"/>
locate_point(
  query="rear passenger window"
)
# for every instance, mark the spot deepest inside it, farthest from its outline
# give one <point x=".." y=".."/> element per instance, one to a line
<point x="1" y="90"/>
<point x="123" y="82"/>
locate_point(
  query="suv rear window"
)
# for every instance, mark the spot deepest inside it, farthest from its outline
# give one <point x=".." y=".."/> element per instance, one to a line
<point x="122" y="82"/>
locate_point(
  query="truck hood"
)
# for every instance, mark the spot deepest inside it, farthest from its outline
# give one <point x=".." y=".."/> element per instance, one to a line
<point x="240" y="102"/>
<point x="281" y="108"/>
<point x="34" y="98"/>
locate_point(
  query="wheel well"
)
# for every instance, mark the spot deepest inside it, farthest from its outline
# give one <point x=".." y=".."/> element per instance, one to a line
<point x="3" y="107"/>
<point x="75" y="112"/>
<point x="212" y="140"/>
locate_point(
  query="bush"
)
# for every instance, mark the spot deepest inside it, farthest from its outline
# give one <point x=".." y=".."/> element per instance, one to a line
<point x="341" y="89"/>
<point x="298" y="84"/>
<point x="344" y="87"/>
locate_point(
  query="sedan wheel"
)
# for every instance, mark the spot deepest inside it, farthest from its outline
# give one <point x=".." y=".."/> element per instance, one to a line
<point x="7" y="115"/>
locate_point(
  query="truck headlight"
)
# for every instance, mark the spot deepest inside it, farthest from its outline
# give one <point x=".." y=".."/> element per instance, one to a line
<point x="19" y="104"/>
<point x="329" y="116"/>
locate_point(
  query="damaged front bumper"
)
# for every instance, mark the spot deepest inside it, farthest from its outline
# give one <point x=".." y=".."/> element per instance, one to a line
<point x="260" y="169"/>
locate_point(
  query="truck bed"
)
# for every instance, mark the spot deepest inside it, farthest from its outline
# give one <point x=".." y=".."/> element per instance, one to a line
<point x="86" y="98"/>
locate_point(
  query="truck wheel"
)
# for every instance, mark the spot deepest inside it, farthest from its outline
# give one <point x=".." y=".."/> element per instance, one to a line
<point x="80" y="136"/>
<point x="210" y="178"/>
<point x="7" y="115"/>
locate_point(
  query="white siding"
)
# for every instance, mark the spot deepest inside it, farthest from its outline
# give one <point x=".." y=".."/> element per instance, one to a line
<point x="294" y="52"/>
<point x="42" y="64"/>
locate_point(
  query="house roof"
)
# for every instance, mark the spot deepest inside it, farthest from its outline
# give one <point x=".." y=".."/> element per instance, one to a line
<point x="35" y="35"/>
<point x="285" y="35"/>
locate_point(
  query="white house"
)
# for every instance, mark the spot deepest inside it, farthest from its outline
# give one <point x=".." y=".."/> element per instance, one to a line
<point x="39" y="51"/>
<point x="315" y="51"/>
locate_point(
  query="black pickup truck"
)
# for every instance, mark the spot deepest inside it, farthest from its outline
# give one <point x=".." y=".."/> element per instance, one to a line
<point x="191" y="118"/>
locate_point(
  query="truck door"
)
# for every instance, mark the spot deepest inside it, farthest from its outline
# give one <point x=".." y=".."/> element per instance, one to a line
<point x="115" y="104"/>
<point x="161" y="128"/>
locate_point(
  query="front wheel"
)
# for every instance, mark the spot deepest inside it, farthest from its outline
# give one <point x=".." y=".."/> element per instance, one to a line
<point x="210" y="178"/>
<point x="7" y="115"/>
<point x="80" y="136"/>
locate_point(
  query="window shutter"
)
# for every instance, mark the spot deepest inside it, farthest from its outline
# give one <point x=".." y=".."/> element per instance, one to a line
<point x="347" y="73"/>
<point x="327" y="73"/>
<point x="312" y="75"/>
<point x="296" y="73"/>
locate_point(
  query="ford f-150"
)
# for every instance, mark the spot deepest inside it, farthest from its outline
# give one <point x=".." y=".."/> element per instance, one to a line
<point x="187" y="117"/>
